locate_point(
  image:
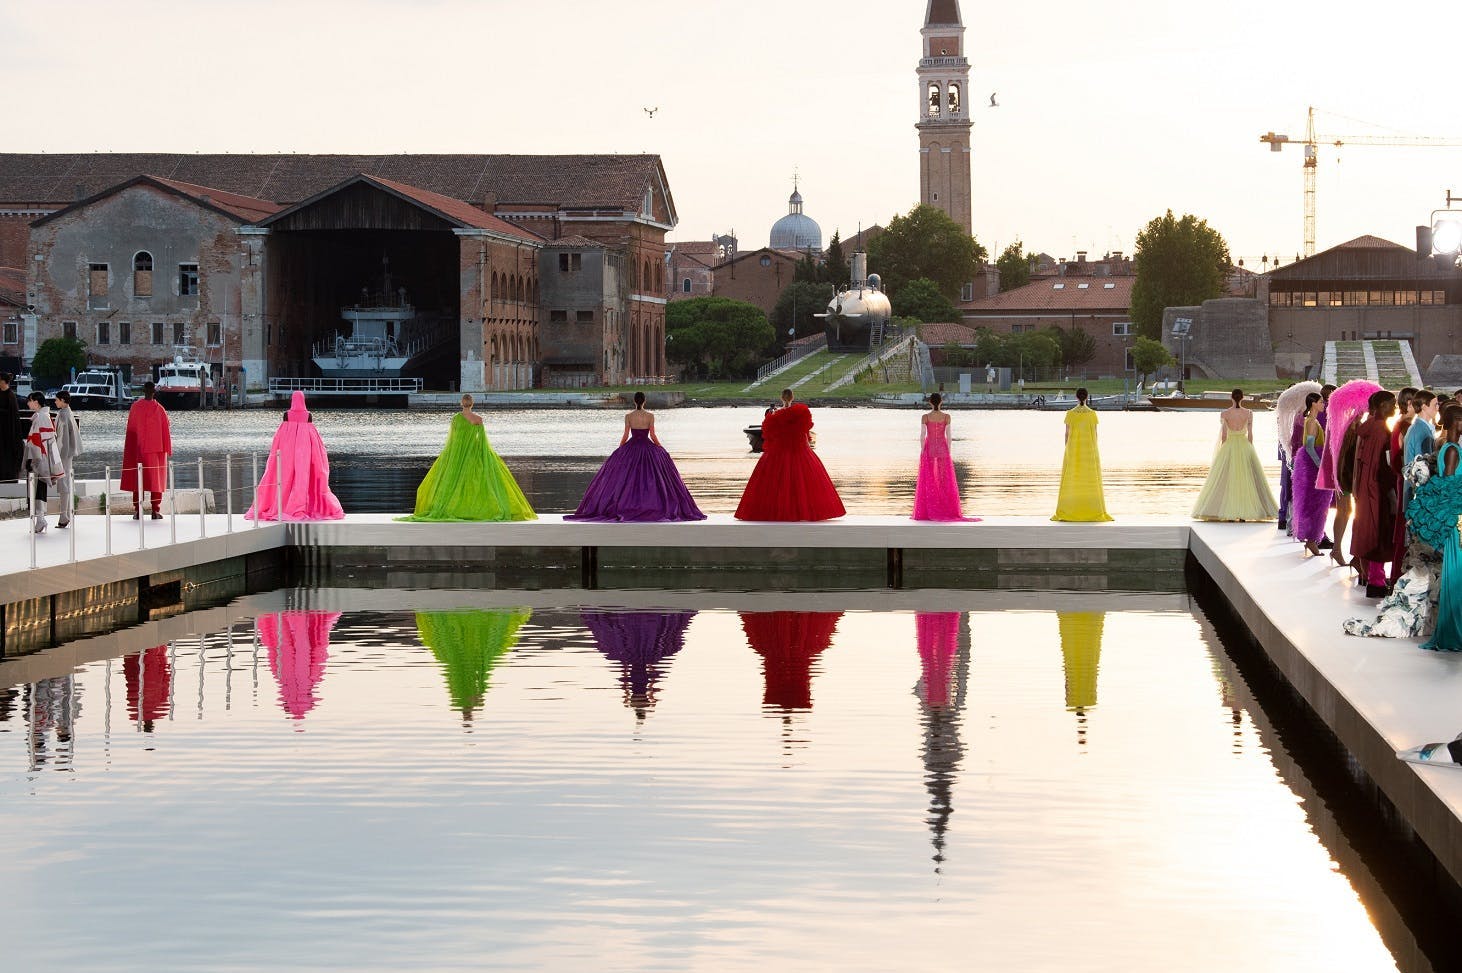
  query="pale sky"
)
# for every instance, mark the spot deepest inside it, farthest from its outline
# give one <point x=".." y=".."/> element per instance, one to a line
<point x="1109" y="112"/>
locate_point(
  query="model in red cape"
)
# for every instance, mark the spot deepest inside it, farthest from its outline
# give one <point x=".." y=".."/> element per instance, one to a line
<point x="149" y="443"/>
<point x="297" y="473"/>
<point x="789" y="481"/>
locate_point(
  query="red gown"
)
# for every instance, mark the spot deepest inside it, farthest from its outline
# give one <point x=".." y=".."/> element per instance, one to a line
<point x="148" y="442"/>
<point x="1372" y="537"/>
<point x="789" y="481"/>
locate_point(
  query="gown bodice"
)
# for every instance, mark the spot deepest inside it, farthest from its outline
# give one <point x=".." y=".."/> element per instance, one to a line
<point x="639" y="433"/>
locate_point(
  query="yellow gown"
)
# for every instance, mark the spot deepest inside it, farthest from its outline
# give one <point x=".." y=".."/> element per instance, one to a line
<point x="1080" y="498"/>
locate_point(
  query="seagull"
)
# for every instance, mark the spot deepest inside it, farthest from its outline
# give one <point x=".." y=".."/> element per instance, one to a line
<point x="993" y="102"/>
<point x="651" y="111"/>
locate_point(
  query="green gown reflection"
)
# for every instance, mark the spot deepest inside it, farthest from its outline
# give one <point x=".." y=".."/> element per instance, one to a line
<point x="469" y="481"/>
<point x="469" y="644"/>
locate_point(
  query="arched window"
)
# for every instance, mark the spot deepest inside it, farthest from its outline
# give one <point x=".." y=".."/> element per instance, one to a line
<point x="936" y="98"/>
<point x="659" y="278"/>
<point x="685" y="286"/>
<point x="648" y="280"/>
<point x="954" y="98"/>
<point x="492" y="294"/>
<point x="142" y="274"/>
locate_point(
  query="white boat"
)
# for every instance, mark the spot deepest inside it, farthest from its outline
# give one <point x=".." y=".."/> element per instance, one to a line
<point x="379" y="339"/>
<point x="185" y="382"/>
<point x="100" y="387"/>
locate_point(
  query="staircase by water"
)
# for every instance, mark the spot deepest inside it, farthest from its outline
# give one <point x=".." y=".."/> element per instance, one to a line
<point x="1389" y="363"/>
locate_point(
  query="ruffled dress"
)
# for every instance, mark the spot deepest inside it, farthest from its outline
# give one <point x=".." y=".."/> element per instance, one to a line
<point x="789" y="481"/>
<point x="638" y="483"/>
<point x="1411" y="608"/>
<point x="469" y="482"/>
<point x="1434" y="510"/>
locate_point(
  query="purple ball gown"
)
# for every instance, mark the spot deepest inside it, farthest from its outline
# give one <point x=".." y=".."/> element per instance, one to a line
<point x="638" y="483"/>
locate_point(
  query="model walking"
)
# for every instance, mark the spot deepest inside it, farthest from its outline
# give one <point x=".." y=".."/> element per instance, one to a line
<point x="1311" y="505"/>
<point x="148" y="444"/>
<point x="1345" y="405"/>
<point x="1236" y="488"/>
<point x="936" y="493"/>
<point x="789" y="481"/>
<point x="469" y="481"/>
<point x="1080" y="498"/>
<point x="638" y="483"/>
<point x="297" y="472"/>
<point x="1373" y="487"/>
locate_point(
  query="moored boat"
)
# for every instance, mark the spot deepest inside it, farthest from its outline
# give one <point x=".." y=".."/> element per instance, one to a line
<point x="185" y="382"/>
<point x="100" y="387"/>
<point x="1208" y="401"/>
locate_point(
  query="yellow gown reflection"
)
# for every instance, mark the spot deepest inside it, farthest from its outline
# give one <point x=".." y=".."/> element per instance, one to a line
<point x="1081" y="496"/>
<point x="1081" y="653"/>
<point x="469" y="644"/>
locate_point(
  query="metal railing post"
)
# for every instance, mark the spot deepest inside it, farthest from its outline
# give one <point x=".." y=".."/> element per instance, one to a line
<point x="228" y="490"/>
<point x="71" y="534"/>
<point x="30" y="506"/>
<point x="202" y="520"/>
<point x="254" y="463"/>
<point x="139" y="497"/>
<point x="278" y="487"/>
<point x="107" y="506"/>
<point x="172" y="484"/>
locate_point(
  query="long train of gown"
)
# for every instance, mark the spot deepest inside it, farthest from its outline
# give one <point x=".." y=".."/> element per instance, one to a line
<point x="1310" y="505"/>
<point x="1236" y="488"/>
<point x="469" y="481"/>
<point x="297" y="472"/>
<point x="1080" y="497"/>
<point x="638" y="483"/>
<point x="936" y="493"/>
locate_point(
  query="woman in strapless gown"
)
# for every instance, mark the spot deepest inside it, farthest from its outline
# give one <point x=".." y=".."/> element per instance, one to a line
<point x="1236" y="488"/>
<point x="638" y="483"/>
<point x="936" y="494"/>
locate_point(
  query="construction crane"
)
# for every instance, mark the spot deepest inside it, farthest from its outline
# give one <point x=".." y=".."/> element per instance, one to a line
<point x="1312" y="142"/>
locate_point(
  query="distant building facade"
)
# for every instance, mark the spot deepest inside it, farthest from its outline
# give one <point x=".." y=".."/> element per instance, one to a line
<point x="1098" y="305"/>
<point x="756" y="277"/>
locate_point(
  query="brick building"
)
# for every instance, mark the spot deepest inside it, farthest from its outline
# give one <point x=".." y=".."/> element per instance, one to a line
<point x="757" y="277"/>
<point x="13" y="319"/>
<point x="285" y="241"/>
<point x="1099" y="305"/>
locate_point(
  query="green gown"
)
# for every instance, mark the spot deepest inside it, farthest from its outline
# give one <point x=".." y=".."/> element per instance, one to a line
<point x="469" y="482"/>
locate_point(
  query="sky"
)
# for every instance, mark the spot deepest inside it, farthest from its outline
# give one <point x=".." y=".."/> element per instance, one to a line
<point x="1108" y="113"/>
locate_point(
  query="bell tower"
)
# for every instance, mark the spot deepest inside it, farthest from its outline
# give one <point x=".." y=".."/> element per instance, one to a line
<point x="944" y="118"/>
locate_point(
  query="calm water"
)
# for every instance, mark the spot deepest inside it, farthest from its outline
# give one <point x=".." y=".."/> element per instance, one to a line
<point x="1052" y="782"/>
<point x="1008" y="462"/>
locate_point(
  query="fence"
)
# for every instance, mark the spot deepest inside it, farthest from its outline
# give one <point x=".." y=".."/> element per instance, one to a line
<point x="795" y="355"/>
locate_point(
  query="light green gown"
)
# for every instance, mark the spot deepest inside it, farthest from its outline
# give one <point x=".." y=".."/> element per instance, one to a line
<point x="469" y="482"/>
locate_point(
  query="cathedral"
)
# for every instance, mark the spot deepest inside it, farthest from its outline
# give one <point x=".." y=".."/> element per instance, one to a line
<point x="944" y="117"/>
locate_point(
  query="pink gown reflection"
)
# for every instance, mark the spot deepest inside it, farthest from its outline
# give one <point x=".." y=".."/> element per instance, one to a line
<point x="299" y="470"/>
<point x="938" y="641"/>
<point x="298" y="644"/>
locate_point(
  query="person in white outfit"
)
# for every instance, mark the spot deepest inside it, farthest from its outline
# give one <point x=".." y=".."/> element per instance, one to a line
<point x="41" y="457"/>
<point x="68" y="445"/>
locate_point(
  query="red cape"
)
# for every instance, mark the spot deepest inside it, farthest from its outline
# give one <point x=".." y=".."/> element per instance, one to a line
<point x="148" y="438"/>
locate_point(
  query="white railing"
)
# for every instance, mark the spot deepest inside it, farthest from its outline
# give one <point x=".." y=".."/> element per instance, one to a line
<point x="346" y="386"/>
<point x="789" y="359"/>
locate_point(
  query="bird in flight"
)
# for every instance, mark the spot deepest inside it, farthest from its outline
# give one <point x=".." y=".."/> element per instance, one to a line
<point x="993" y="102"/>
<point x="651" y="111"/>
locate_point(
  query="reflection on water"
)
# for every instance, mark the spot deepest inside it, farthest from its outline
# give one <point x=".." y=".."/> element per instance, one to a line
<point x="1008" y="462"/>
<point x="337" y="812"/>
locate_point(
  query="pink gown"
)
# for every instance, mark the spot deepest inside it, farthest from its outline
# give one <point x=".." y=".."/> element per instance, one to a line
<point x="936" y="495"/>
<point x="297" y="458"/>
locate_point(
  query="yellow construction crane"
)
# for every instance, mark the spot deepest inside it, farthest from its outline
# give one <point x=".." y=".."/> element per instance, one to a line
<point x="1312" y="142"/>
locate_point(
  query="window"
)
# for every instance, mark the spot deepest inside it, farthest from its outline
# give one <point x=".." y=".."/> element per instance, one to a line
<point x="558" y="317"/>
<point x="685" y="286"/>
<point x="1058" y="287"/>
<point x="177" y="332"/>
<point x="187" y="280"/>
<point x="954" y="99"/>
<point x="97" y="286"/>
<point x="765" y="261"/>
<point x="124" y="333"/>
<point x="215" y="334"/>
<point x="1108" y="287"/>
<point x="103" y="332"/>
<point x="584" y="317"/>
<point x="1121" y="329"/>
<point x="570" y="262"/>
<point x="68" y="329"/>
<point x="1129" y="364"/>
<point x="142" y="274"/>
<point x="967" y="292"/>
<point x="935" y="98"/>
<point x="12" y="333"/>
<point x="157" y="332"/>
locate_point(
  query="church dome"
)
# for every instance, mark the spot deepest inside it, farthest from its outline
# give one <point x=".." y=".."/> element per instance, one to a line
<point x="796" y="230"/>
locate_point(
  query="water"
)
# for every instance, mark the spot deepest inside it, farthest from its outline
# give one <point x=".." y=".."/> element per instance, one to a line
<point x="998" y="781"/>
<point x="1008" y="462"/>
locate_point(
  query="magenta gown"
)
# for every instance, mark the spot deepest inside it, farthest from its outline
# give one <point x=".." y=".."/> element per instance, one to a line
<point x="297" y="459"/>
<point x="936" y="495"/>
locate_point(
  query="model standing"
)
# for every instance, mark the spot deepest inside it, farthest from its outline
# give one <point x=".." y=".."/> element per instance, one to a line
<point x="10" y="435"/>
<point x="296" y="483"/>
<point x="1311" y="504"/>
<point x="469" y="481"/>
<point x="1345" y="405"/>
<point x="148" y="444"/>
<point x="1289" y="420"/>
<point x="1434" y="512"/>
<point x="1374" y="490"/>
<point x="789" y="481"/>
<point x="41" y="457"/>
<point x="638" y="483"/>
<point x="936" y="493"/>
<point x="1080" y="498"/>
<point x="68" y="444"/>
<point x="1236" y="488"/>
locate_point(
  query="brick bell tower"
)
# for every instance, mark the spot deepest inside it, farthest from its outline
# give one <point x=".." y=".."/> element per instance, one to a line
<point x="944" y="118"/>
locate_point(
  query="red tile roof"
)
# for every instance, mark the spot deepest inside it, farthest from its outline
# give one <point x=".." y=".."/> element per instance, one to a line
<point x="575" y="242"/>
<point x="246" y="208"/>
<point x="1368" y="242"/>
<point x="453" y="209"/>
<point x="1059" y="294"/>
<point x="945" y="333"/>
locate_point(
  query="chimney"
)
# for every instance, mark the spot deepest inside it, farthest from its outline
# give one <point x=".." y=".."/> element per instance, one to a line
<point x="1081" y="256"/>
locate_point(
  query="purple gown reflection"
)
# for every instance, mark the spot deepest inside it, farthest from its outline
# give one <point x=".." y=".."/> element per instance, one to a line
<point x="639" y="642"/>
<point x="298" y="644"/>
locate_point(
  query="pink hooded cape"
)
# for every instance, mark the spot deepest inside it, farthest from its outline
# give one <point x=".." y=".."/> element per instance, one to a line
<point x="298" y="644"/>
<point x="149" y="441"/>
<point x="299" y="467"/>
<point x="1350" y="400"/>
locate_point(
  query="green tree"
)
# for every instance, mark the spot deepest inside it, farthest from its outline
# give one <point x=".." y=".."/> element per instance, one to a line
<point x="835" y="264"/>
<point x="56" y="357"/>
<point x="808" y="269"/>
<point x="1077" y="346"/>
<point x="800" y="300"/>
<point x="716" y="337"/>
<point x="1148" y="356"/>
<point x="1180" y="263"/>
<point x="925" y="243"/>
<point x="1015" y="267"/>
<point x="920" y="299"/>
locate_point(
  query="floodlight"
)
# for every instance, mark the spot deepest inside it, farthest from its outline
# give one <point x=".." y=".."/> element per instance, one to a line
<point x="1447" y="232"/>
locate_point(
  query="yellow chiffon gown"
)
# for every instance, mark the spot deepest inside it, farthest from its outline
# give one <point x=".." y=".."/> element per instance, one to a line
<point x="1081" y="498"/>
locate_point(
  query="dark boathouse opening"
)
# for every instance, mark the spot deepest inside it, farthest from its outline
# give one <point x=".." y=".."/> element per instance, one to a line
<point x="363" y="280"/>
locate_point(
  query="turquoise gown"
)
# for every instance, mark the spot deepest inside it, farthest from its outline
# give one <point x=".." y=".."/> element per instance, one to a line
<point x="1433" y="512"/>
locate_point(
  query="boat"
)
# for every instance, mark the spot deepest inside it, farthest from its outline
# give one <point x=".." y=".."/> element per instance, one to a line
<point x="1207" y="402"/>
<point x="99" y="387"/>
<point x="185" y="382"/>
<point x="381" y="337"/>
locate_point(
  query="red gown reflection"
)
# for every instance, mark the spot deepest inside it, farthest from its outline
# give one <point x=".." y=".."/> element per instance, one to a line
<point x="789" y="481"/>
<point x="149" y="684"/>
<point x="788" y="642"/>
<point x="298" y="644"/>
